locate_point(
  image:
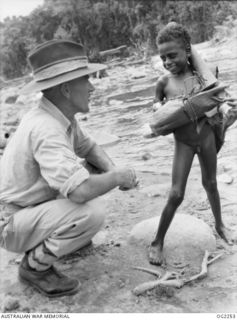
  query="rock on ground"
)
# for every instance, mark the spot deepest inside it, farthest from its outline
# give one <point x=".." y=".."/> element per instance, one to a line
<point x="10" y="304"/>
<point x="185" y="242"/>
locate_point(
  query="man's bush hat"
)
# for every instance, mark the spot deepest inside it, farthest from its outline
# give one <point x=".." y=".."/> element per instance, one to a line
<point x="58" y="61"/>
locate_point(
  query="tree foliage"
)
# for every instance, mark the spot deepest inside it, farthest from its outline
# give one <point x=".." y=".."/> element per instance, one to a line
<point x="104" y="24"/>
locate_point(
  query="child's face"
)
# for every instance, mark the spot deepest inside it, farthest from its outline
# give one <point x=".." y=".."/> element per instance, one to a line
<point x="174" y="56"/>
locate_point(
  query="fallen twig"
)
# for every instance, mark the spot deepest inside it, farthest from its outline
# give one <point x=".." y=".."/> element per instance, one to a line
<point x="172" y="279"/>
<point x="205" y="263"/>
<point x="214" y="259"/>
<point x="151" y="271"/>
<point x="160" y="282"/>
<point x="203" y="272"/>
<point x="140" y="289"/>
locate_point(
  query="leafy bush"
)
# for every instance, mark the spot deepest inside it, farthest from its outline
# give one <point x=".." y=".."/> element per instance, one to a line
<point x="105" y="24"/>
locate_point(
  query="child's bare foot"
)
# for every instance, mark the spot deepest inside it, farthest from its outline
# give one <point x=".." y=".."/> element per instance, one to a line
<point x="226" y="235"/>
<point x="155" y="255"/>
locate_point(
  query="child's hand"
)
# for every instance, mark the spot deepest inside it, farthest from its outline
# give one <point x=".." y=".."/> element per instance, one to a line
<point x="146" y="131"/>
<point x="156" y="106"/>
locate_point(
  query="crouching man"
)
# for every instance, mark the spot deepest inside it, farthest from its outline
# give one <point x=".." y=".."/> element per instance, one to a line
<point x="41" y="162"/>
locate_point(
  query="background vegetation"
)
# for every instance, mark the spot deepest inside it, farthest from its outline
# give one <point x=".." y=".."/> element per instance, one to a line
<point x="105" y="24"/>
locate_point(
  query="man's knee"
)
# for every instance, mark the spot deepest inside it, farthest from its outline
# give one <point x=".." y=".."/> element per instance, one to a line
<point x="96" y="215"/>
<point x="83" y="217"/>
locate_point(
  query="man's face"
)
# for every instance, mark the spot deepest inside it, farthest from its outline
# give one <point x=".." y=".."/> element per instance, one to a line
<point x="174" y="56"/>
<point x="80" y="90"/>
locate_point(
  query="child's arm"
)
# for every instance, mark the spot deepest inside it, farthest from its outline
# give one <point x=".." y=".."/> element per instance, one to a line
<point x="160" y="87"/>
<point x="159" y="92"/>
<point x="157" y="103"/>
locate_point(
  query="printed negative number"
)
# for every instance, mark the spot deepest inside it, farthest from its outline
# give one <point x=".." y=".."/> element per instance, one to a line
<point x="226" y="316"/>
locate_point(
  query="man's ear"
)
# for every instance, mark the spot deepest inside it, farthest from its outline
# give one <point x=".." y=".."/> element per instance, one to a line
<point x="65" y="90"/>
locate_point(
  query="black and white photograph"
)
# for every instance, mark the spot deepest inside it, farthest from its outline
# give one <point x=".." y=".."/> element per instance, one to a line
<point x="118" y="159"/>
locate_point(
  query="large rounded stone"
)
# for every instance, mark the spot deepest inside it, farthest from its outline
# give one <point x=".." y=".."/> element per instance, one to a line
<point x="185" y="242"/>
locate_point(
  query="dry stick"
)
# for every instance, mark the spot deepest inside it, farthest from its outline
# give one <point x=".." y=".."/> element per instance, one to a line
<point x="203" y="272"/>
<point x="140" y="289"/>
<point x="177" y="283"/>
<point x="205" y="263"/>
<point x="215" y="258"/>
<point x="151" y="271"/>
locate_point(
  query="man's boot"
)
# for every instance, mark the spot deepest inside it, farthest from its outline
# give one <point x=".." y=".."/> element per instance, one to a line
<point x="50" y="282"/>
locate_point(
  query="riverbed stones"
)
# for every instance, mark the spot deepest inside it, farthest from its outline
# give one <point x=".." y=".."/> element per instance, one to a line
<point x="11" y="99"/>
<point x="10" y="304"/>
<point x="225" y="178"/>
<point x="155" y="190"/>
<point x="185" y="242"/>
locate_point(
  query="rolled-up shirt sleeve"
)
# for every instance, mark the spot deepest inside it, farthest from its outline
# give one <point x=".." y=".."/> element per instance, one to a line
<point x="58" y="163"/>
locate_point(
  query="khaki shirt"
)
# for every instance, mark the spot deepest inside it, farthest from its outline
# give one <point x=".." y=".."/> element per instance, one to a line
<point x="39" y="162"/>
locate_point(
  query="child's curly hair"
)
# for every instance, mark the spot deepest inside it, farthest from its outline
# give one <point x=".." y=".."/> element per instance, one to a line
<point x="174" y="31"/>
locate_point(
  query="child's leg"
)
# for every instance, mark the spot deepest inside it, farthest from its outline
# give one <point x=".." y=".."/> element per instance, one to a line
<point x="208" y="162"/>
<point x="182" y="162"/>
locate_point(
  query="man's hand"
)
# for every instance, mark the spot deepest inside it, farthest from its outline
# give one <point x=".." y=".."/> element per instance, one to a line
<point x="98" y="184"/>
<point x="126" y="178"/>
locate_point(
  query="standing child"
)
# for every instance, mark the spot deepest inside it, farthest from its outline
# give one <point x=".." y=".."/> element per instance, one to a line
<point x="194" y="138"/>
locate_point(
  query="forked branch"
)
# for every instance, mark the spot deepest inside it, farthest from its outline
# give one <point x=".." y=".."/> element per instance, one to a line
<point x="172" y="279"/>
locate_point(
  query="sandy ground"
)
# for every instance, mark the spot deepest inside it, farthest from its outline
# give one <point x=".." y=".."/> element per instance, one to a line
<point x="105" y="269"/>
